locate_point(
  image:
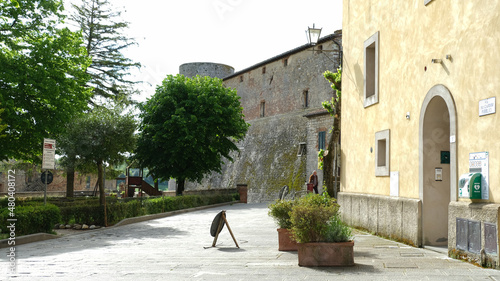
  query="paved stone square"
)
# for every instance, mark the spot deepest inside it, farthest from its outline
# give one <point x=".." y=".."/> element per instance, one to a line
<point x="179" y="248"/>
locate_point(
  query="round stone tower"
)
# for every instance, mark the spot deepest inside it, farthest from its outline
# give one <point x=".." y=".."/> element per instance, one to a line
<point x="205" y="69"/>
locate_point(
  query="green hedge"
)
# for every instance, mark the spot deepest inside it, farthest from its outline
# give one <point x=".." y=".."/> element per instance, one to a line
<point x="58" y="201"/>
<point x="32" y="218"/>
<point x="119" y="210"/>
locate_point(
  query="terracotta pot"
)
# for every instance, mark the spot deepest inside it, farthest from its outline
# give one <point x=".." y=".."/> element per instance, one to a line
<point x="285" y="241"/>
<point x="326" y="254"/>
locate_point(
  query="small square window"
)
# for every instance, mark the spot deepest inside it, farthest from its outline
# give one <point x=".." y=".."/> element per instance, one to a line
<point x="302" y="149"/>
<point x="285" y="62"/>
<point x="241" y="78"/>
<point x="371" y="70"/>
<point x="382" y="154"/>
<point x="262" y="108"/>
<point x="263" y="70"/>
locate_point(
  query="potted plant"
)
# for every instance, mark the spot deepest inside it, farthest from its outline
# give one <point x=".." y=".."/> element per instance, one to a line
<point x="323" y="239"/>
<point x="280" y="211"/>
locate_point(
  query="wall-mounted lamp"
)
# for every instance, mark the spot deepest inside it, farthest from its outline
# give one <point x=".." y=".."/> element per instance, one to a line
<point x="408" y="115"/>
<point x="313" y="34"/>
<point x="437" y="61"/>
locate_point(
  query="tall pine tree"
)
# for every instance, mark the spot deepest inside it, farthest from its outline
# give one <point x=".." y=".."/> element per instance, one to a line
<point x="102" y="29"/>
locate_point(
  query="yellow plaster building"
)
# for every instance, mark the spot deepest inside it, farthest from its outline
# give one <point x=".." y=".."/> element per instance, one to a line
<point x="419" y="86"/>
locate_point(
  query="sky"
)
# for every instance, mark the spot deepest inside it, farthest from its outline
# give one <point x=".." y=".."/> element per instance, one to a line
<point x="239" y="33"/>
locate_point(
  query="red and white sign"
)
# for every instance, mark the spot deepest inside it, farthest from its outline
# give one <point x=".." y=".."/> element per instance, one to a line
<point x="49" y="154"/>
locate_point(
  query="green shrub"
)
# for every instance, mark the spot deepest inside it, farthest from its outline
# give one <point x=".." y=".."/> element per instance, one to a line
<point x="83" y="214"/>
<point x="310" y="216"/>
<point x="154" y="206"/>
<point x="337" y="230"/>
<point x="280" y="211"/>
<point x="32" y="219"/>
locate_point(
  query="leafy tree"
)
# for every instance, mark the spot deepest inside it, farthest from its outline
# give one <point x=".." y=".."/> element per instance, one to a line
<point x="104" y="41"/>
<point x="333" y="106"/>
<point x="42" y="75"/>
<point x="2" y="126"/>
<point x="188" y="127"/>
<point x="101" y="136"/>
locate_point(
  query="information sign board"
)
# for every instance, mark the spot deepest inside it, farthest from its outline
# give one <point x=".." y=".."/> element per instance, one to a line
<point x="49" y="154"/>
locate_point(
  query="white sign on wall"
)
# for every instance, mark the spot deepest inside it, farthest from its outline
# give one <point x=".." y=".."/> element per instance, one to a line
<point x="478" y="163"/>
<point x="49" y="154"/>
<point x="487" y="106"/>
<point x="394" y="184"/>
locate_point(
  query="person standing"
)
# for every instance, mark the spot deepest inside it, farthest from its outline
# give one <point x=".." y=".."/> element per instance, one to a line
<point x="313" y="179"/>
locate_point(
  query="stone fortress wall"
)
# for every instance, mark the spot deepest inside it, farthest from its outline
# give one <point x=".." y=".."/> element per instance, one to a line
<point x="276" y="94"/>
<point x="206" y="69"/>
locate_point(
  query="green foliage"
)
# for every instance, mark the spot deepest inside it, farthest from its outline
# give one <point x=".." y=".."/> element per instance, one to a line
<point x="188" y="127"/>
<point x="32" y="218"/>
<point x="321" y="155"/>
<point x="336" y="80"/>
<point x="2" y="126"/>
<point x="104" y="40"/>
<point x="333" y="107"/>
<point x="337" y="230"/>
<point x="280" y="211"/>
<point x="90" y="212"/>
<point x="101" y="136"/>
<point x="310" y="216"/>
<point x="42" y="76"/>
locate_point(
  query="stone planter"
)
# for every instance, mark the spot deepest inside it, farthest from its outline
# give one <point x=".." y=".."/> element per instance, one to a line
<point x="285" y="241"/>
<point x="326" y="254"/>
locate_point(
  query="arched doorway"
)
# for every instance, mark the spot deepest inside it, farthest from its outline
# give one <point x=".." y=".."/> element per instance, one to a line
<point x="437" y="161"/>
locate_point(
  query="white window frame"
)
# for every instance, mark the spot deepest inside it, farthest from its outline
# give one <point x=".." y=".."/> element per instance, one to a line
<point x="382" y="154"/>
<point x="371" y="74"/>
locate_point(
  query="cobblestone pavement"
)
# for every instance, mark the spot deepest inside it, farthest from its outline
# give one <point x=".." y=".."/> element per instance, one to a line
<point x="179" y="248"/>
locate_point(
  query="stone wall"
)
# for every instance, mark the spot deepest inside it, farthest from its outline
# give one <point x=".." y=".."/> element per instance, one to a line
<point x="31" y="182"/>
<point x="317" y="122"/>
<point x="481" y="243"/>
<point x="276" y="94"/>
<point x="394" y="217"/>
<point x="206" y="69"/>
<point x="282" y="83"/>
<point x="267" y="159"/>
